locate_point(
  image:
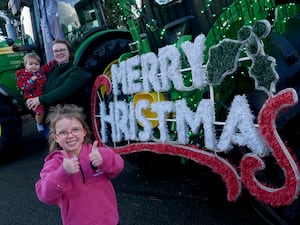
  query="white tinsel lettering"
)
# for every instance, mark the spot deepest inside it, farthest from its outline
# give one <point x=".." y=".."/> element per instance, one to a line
<point x="107" y="119"/>
<point x="194" y="53"/>
<point x="132" y="122"/>
<point x="133" y="75"/>
<point x="150" y="66"/>
<point x="150" y="72"/>
<point x="240" y="129"/>
<point x="162" y="109"/>
<point x="204" y="115"/>
<point x="146" y="133"/>
<point x="168" y="65"/>
<point x="121" y="117"/>
<point x="119" y="76"/>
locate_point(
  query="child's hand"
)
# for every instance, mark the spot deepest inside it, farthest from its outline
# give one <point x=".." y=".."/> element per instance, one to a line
<point x="95" y="156"/>
<point x="34" y="78"/>
<point x="33" y="103"/>
<point x="71" y="165"/>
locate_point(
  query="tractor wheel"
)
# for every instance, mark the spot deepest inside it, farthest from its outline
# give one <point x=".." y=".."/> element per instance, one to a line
<point x="99" y="61"/>
<point x="10" y="128"/>
<point x="100" y="57"/>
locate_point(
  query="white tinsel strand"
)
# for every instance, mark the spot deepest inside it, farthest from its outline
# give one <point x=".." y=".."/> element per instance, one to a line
<point x="162" y="109"/>
<point x="145" y="134"/>
<point x="170" y="63"/>
<point x="150" y="70"/>
<point x="119" y="77"/>
<point x="133" y="75"/>
<point x="132" y="122"/>
<point x="240" y="130"/>
<point x="204" y="115"/>
<point x="121" y="119"/>
<point x="107" y="119"/>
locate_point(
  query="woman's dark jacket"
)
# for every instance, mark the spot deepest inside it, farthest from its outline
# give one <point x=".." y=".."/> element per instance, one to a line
<point x="65" y="84"/>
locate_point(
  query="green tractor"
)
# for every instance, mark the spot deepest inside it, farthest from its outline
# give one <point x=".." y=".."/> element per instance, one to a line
<point x="110" y="34"/>
<point x="24" y="34"/>
<point x="11" y="101"/>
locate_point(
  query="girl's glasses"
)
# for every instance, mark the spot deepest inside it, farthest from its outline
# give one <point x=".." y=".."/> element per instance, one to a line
<point x="64" y="134"/>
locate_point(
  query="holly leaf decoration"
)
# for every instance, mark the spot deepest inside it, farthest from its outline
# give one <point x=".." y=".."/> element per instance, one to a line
<point x="223" y="60"/>
<point x="263" y="72"/>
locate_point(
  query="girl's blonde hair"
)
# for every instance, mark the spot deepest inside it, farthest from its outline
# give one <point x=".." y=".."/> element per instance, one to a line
<point x="68" y="111"/>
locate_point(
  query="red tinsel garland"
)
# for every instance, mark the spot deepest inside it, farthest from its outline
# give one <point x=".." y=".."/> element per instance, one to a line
<point x="250" y="164"/>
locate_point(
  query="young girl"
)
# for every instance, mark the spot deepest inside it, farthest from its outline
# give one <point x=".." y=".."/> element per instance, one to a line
<point x="76" y="174"/>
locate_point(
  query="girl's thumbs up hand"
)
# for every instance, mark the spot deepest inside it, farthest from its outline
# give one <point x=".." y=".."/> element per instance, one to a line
<point x="71" y="165"/>
<point x="95" y="156"/>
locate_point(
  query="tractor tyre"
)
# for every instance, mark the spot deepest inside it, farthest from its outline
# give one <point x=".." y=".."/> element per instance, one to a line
<point x="99" y="60"/>
<point x="10" y="128"/>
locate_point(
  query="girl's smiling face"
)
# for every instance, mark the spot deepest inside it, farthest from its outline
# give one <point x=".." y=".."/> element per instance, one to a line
<point x="69" y="134"/>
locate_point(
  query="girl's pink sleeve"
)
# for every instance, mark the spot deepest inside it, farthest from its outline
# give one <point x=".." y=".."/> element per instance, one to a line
<point x="53" y="181"/>
<point x="112" y="163"/>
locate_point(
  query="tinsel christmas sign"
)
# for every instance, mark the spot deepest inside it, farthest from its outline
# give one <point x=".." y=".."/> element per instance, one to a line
<point x="152" y="102"/>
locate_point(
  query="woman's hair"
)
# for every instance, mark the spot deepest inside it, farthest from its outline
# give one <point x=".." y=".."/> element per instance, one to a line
<point x="69" y="46"/>
<point x="66" y="111"/>
<point x="31" y="55"/>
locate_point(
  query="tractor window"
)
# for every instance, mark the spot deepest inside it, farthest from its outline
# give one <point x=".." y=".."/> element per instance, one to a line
<point x="26" y="31"/>
<point x="2" y="30"/>
<point x="78" y="17"/>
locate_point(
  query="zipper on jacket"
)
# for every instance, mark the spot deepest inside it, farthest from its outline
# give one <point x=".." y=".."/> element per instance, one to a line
<point x="82" y="174"/>
<point x="81" y="170"/>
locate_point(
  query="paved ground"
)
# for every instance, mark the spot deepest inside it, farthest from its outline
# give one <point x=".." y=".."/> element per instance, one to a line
<point x="175" y="197"/>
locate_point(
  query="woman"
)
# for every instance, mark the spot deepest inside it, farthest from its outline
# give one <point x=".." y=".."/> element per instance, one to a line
<point x="65" y="83"/>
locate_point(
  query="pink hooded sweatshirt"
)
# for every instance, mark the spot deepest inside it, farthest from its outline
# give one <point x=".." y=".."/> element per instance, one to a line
<point x="84" y="198"/>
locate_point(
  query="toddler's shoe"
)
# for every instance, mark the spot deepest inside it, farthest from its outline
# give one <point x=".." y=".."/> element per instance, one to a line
<point x="40" y="127"/>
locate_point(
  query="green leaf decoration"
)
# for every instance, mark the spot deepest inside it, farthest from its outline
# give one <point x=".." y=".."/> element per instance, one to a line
<point x="244" y="33"/>
<point x="254" y="47"/>
<point x="264" y="73"/>
<point x="262" y="28"/>
<point x="223" y="60"/>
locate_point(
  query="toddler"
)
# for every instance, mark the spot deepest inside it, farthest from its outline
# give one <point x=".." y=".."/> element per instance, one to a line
<point x="31" y="81"/>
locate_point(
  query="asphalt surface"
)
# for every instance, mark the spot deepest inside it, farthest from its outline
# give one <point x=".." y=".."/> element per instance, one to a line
<point x="175" y="195"/>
